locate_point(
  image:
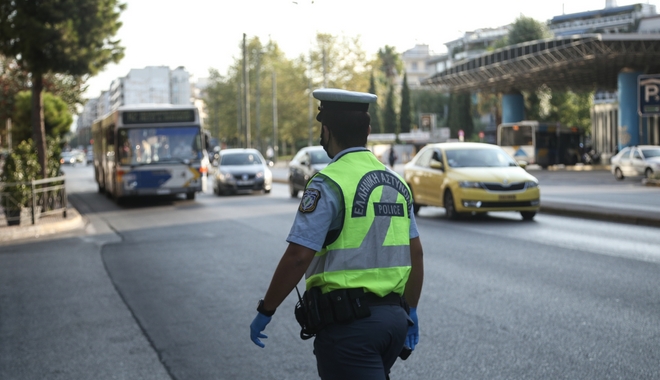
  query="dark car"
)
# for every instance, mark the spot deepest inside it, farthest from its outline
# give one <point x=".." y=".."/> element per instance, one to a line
<point x="307" y="162"/>
<point x="241" y="170"/>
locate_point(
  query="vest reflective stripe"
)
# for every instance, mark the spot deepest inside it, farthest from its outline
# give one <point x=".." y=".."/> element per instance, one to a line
<point x="377" y="214"/>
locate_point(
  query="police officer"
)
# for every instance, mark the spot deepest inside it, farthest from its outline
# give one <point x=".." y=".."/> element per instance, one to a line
<point x="354" y="229"/>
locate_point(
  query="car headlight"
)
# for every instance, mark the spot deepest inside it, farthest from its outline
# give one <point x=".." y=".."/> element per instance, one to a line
<point x="470" y="185"/>
<point x="531" y="184"/>
<point x="224" y="176"/>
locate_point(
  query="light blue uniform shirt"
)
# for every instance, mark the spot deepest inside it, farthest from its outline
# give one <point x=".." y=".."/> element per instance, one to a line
<point x="310" y="228"/>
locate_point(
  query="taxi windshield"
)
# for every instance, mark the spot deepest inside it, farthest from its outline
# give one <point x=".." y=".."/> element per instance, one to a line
<point x="478" y="158"/>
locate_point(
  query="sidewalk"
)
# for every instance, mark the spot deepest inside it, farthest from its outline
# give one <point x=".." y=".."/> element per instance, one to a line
<point x="47" y="225"/>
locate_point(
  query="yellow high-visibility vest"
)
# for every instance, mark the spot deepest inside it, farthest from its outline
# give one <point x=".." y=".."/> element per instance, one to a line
<point x="372" y="251"/>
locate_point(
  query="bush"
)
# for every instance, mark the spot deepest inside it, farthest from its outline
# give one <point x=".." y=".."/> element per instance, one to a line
<point x="21" y="166"/>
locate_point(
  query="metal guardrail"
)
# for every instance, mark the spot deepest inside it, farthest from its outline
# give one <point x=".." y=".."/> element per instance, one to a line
<point x="47" y="197"/>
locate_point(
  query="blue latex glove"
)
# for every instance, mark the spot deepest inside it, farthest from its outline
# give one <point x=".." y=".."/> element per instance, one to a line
<point x="256" y="327"/>
<point x="413" y="331"/>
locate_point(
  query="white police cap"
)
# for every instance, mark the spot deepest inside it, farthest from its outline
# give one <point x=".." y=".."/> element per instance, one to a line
<point x="334" y="99"/>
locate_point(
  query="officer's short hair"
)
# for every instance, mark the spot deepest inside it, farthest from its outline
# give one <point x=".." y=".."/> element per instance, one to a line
<point x="349" y="128"/>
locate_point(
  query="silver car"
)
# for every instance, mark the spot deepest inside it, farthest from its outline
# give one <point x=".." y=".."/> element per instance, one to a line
<point x="242" y="170"/>
<point x="307" y="162"/>
<point x="636" y="161"/>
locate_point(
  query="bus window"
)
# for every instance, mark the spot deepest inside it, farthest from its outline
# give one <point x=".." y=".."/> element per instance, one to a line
<point x="510" y="136"/>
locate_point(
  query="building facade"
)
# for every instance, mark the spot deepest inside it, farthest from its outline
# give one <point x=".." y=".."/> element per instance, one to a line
<point x="150" y="85"/>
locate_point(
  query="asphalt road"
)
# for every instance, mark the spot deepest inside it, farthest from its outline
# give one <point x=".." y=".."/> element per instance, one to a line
<point x="167" y="289"/>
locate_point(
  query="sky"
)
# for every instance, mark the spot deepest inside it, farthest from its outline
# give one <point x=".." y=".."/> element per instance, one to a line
<point x="203" y="34"/>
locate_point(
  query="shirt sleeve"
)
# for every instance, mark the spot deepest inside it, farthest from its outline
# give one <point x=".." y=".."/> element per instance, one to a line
<point x="313" y="221"/>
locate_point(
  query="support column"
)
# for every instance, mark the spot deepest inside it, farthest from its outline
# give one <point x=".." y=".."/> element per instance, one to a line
<point x="629" y="121"/>
<point x="513" y="107"/>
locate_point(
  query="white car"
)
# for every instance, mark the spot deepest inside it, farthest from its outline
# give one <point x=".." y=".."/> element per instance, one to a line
<point x="636" y="161"/>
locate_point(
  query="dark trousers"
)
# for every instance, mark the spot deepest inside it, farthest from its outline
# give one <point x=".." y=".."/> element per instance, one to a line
<point x="364" y="349"/>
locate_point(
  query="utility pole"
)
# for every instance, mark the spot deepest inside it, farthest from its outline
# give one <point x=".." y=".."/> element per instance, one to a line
<point x="246" y="98"/>
<point x="258" y="105"/>
<point x="275" y="143"/>
<point x="310" y="113"/>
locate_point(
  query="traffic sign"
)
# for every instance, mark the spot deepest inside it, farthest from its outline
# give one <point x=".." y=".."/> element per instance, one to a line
<point x="648" y="95"/>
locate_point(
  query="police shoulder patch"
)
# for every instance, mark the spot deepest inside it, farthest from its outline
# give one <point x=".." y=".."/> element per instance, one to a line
<point x="309" y="200"/>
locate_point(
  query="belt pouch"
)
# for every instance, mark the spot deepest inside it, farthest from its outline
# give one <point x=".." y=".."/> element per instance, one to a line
<point x="341" y="305"/>
<point x="311" y="299"/>
<point x="359" y="304"/>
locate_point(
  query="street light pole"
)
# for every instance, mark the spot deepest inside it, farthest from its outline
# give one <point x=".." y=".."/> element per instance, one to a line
<point x="275" y="143"/>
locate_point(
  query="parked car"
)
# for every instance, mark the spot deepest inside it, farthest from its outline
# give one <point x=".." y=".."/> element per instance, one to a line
<point x="241" y="170"/>
<point x="635" y="161"/>
<point x="307" y="162"/>
<point x="72" y="157"/>
<point x="471" y="178"/>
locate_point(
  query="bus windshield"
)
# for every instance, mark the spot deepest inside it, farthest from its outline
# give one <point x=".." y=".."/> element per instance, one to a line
<point x="516" y="135"/>
<point x="141" y="146"/>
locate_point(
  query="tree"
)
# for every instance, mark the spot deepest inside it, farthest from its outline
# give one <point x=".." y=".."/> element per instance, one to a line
<point x="405" y="121"/>
<point x="57" y="117"/>
<point x="390" y="63"/>
<point x="527" y="29"/>
<point x="14" y="79"/>
<point x="374" y="109"/>
<point x="64" y="37"/>
<point x="390" y="114"/>
<point x="460" y="114"/>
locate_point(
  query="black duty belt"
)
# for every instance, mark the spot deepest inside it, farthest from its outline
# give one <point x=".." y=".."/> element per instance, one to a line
<point x="388" y="299"/>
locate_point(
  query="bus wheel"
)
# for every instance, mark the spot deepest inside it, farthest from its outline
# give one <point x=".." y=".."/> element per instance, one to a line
<point x="190" y="196"/>
<point x="528" y="215"/>
<point x="618" y="174"/>
<point x="450" y="207"/>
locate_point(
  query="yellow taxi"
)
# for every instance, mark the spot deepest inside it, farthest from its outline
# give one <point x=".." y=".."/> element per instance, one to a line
<point x="467" y="178"/>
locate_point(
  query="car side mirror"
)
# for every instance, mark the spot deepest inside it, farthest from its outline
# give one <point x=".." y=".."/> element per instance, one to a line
<point x="435" y="164"/>
<point x="304" y="163"/>
<point x="522" y="164"/>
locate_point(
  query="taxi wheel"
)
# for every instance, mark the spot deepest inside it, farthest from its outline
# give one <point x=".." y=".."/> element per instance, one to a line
<point x="450" y="208"/>
<point x="528" y="215"/>
<point x="648" y="173"/>
<point x="618" y="174"/>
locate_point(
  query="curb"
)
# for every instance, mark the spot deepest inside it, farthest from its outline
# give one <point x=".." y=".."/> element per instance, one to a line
<point x="598" y="214"/>
<point x="72" y="222"/>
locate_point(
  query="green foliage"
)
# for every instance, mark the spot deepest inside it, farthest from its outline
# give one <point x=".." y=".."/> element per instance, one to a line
<point x="20" y="167"/>
<point x="63" y="37"/>
<point x="374" y="109"/>
<point x="430" y="101"/>
<point x="390" y="63"/>
<point x="14" y="79"/>
<point x="527" y="29"/>
<point x="57" y="118"/>
<point x="460" y="114"/>
<point x="72" y="37"/>
<point x="337" y="62"/>
<point x="405" y="121"/>
<point x="390" y="122"/>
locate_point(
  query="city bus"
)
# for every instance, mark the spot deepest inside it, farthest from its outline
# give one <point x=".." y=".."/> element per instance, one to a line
<point x="150" y="150"/>
<point x="540" y="143"/>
